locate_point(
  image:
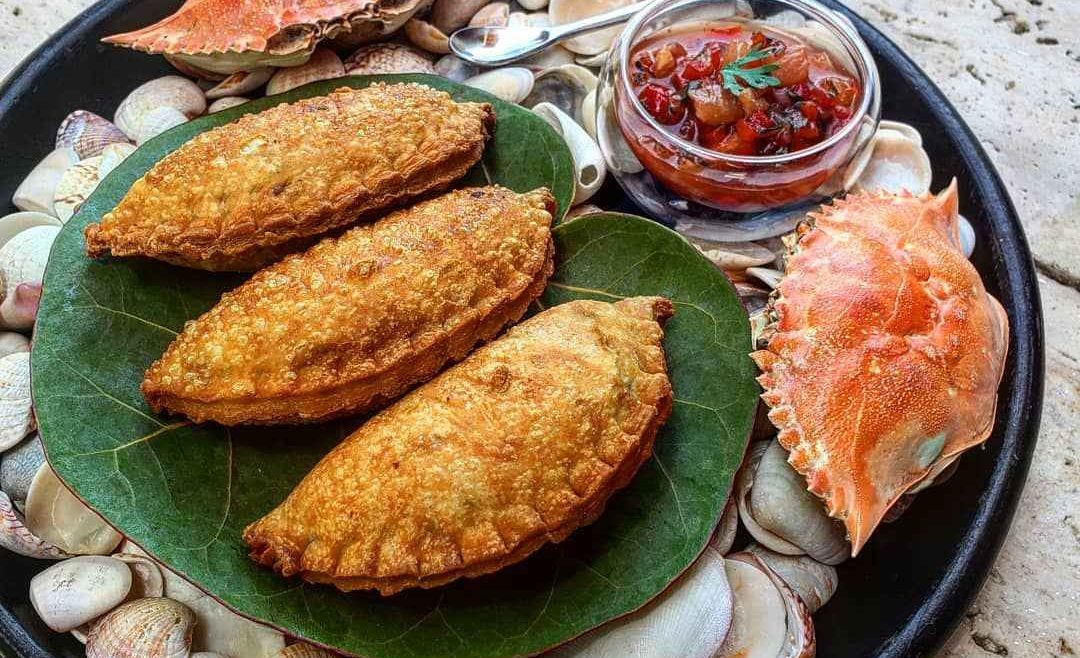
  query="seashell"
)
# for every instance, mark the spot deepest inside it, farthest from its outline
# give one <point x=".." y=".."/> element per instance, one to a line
<point x="967" y="235"/>
<point x="590" y="43"/>
<point x="22" y="261"/>
<point x="111" y="158"/>
<point x="146" y="628"/>
<point x="383" y="58"/>
<point x="565" y="87"/>
<point x="304" y="650"/>
<point x="592" y="61"/>
<point x="18" y="466"/>
<point x="82" y="632"/>
<point x="17" y="222"/>
<point x="548" y="58"/>
<point x="157" y="121"/>
<point x="146" y="578"/>
<point x="57" y="516"/>
<point x="753" y="634"/>
<point x="617" y="152"/>
<point x="19" y="309"/>
<point x="375" y="21"/>
<point x="533" y="5"/>
<point x="496" y="14"/>
<point x="16" y="413"/>
<point x="36" y="191"/>
<point x="454" y="68"/>
<point x="812" y="581"/>
<point x="88" y="134"/>
<point x="733" y="255"/>
<point x="12" y="342"/>
<point x="724" y="537"/>
<point x="767" y="275"/>
<point x="907" y="129"/>
<point x="689" y="620"/>
<point x="426" y="36"/>
<point x="895" y="162"/>
<point x="787" y="19"/>
<point x="17" y="538"/>
<point x="522" y="19"/>
<point x="76" y="591"/>
<point x="240" y="83"/>
<point x="75" y="186"/>
<point x="451" y="15"/>
<point x="583" y="209"/>
<point x="323" y="65"/>
<point x="512" y="84"/>
<point x="207" y="654"/>
<point x="225" y="103"/>
<point x="744" y="482"/>
<point x="588" y="160"/>
<point x="588" y="114"/>
<point x="193" y="71"/>
<point x="180" y="94"/>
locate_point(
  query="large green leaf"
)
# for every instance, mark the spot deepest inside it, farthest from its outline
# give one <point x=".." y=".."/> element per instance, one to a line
<point x="186" y="492"/>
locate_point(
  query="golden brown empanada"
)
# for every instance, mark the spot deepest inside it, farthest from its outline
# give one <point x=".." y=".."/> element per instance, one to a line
<point x="356" y="321"/>
<point x="242" y="195"/>
<point x="518" y="445"/>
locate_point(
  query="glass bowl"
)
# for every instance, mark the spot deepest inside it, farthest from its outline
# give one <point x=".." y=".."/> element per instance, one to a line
<point x="719" y="195"/>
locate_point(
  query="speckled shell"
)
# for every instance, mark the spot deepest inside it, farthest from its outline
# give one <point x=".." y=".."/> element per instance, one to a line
<point x="87" y="133"/>
<point x="145" y="628"/>
<point x="388" y="58"/>
<point x="886" y="353"/>
<point x="16" y="415"/>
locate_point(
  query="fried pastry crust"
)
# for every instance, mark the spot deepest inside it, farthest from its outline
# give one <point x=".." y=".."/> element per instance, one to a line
<point x="358" y="320"/>
<point x="518" y="445"/>
<point x="242" y="195"/>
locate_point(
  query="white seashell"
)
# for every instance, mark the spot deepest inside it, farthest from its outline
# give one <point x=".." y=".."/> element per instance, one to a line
<point x="88" y="134"/>
<point x="748" y="640"/>
<point x="17" y="538"/>
<point x="19" y="309"/>
<point x="565" y="87"/>
<point x="225" y="103"/>
<point x="724" y="537"/>
<point x="967" y="235"/>
<point x="908" y="130"/>
<point x="145" y="628"/>
<point x="767" y="275"/>
<point x="82" y="632"/>
<point x="522" y="19"/>
<point x="146" y="578"/>
<point x="75" y="186"/>
<point x="323" y="65"/>
<point x="744" y="482"/>
<point x="814" y="582"/>
<point x="454" y="68"/>
<point x="16" y="413"/>
<point x="36" y="191"/>
<point x="895" y="163"/>
<point x="157" y="121"/>
<point x="588" y="160"/>
<point x="590" y="43"/>
<point x="583" y="209"/>
<point x="496" y="14"/>
<point x="780" y="503"/>
<point x="17" y="222"/>
<point x="380" y="58"/>
<point x="57" y="516"/>
<point x="12" y="342"/>
<point x="173" y="91"/>
<point x="733" y="255"/>
<point x="111" y="158"/>
<point x="18" y="466"/>
<point x="688" y="620"/>
<point x="73" y="592"/>
<point x="240" y="83"/>
<point x="304" y="650"/>
<point x="512" y="84"/>
<point x="451" y="15"/>
<point x="588" y="114"/>
<point x="759" y="618"/>
<point x="22" y="261"/>
<point x="547" y="59"/>
<point x="787" y="18"/>
<point x="426" y="36"/>
<point x="592" y="61"/>
<point x="207" y="654"/>
<point x="533" y="5"/>
<point x="617" y="152"/>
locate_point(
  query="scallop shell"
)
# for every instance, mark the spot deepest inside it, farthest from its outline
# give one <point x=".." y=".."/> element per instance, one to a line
<point x="496" y="14"/>
<point x="814" y="582"/>
<point x="533" y="5"/>
<point x="426" y="36"/>
<point x="744" y="482"/>
<point x="172" y="91"/>
<point x="157" y="121"/>
<point x="323" y="65"/>
<point x="454" y="68"/>
<point x="87" y="133"/>
<point x="225" y="103"/>
<point x="146" y="628"/>
<point x="304" y="650"/>
<point x="111" y="158"/>
<point x="383" y="58"/>
<point x="76" y="591"/>
<point x="591" y="43"/>
<point x="512" y="84"/>
<point x="36" y="191"/>
<point x="18" y="466"/>
<point x="17" y="222"/>
<point x="16" y="414"/>
<point x="450" y="15"/>
<point x="895" y="163"/>
<point x="588" y="160"/>
<point x="57" y="516"/>
<point x="565" y="87"/>
<point x="733" y="255"/>
<point x="753" y="633"/>
<point x="240" y="83"/>
<point x="75" y="186"/>
<point x="146" y="578"/>
<point x="17" y="538"/>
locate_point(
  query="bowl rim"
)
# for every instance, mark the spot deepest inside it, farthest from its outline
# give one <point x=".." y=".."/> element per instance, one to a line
<point x="838" y="26"/>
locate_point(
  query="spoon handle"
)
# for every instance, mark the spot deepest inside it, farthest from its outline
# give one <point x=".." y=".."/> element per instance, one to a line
<point x="560" y="32"/>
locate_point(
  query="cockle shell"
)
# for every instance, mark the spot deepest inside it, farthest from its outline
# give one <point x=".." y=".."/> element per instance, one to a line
<point x="426" y="36"/>
<point x="75" y="591"/>
<point x="591" y="43"/>
<point x="733" y="255"/>
<point x="752" y="636"/>
<point x="450" y="15"/>
<point x="880" y="318"/>
<point x="36" y="191"/>
<point x="225" y="103"/>
<point x="565" y="87"/>
<point x="17" y="222"/>
<point x="157" y="121"/>
<point x="589" y="163"/>
<point x="146" y="578"/>
<point x="454" y="68"/>
<point x="111" y="158"/>
<point x="75" y="186"/>
<point x="304" y="650"/>
<point x="17" y="538"/>
<point x="140" y="114"/>
<point x="495" y="14"/>
<point x="87" y="133"/>
<point x="894" y="162"/>
<point x="511" y="84"/>
<point x="144" y="628"/>
<point x="383" y="58"/>
<point x="18" y="466"/>
<point x="57" y="516"/>
<point x="12" y="342"/>
<point x="16" y="415"/>
<point x="240" y="83"/>
<point x="23" y="259"/>
<point x="814" y="582"/>
<point x="688" y="620"/>
<point x="323" y="65"/>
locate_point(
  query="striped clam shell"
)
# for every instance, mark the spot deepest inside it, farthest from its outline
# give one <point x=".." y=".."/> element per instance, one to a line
<point x="88" y="134"/>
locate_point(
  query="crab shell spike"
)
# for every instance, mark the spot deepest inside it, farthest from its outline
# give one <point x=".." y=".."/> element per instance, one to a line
<point x="886" y="355"/>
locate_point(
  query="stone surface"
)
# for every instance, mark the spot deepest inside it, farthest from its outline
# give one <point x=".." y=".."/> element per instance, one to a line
<point x="1012" y="68"/>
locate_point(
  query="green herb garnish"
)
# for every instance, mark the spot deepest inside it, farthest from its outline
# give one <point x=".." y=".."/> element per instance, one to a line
<point x="757" y="77"/>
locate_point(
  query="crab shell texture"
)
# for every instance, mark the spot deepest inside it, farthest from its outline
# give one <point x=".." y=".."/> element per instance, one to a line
<point x="279" y="27"/>
<point x="885" y="352"/>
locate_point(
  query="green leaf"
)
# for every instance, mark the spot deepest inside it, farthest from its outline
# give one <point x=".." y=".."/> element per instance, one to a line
<point x="185" y="493"/>
<point x="757" y="77"/>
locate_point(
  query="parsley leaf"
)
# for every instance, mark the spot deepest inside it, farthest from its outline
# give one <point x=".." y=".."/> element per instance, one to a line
<point x="757" y="77"/>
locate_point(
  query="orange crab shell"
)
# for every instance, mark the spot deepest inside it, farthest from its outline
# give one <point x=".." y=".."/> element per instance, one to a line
<point x="884" y="360"/>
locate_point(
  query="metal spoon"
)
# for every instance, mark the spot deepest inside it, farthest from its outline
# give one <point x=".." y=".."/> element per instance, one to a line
<point x="495" y="46"/>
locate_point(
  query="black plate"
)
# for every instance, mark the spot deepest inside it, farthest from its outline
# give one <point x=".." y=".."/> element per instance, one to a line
<point x="906" y="592"/>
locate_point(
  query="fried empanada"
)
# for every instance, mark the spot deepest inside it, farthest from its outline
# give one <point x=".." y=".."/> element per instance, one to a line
<point x="357" y="320"/>
<point x="520" y="444"/>
<point x="240" y="196"/>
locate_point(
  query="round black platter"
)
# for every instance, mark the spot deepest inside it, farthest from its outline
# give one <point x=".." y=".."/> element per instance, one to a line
<point x="903" y="595"/>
